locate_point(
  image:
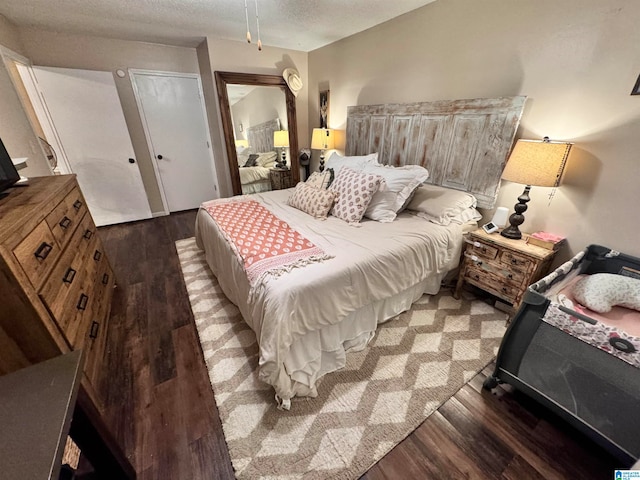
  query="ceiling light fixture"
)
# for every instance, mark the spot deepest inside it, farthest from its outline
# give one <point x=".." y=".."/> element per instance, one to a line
<point x="246" y="16"/>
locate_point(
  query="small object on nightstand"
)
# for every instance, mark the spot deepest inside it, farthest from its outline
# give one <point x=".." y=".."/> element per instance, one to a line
<point x="546" y="240"/>
<point x="501" y="266"/>
<point x="490" y="227"/>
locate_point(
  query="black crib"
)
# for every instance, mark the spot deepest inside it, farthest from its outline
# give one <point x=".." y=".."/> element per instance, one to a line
<point x="594" y="391"/>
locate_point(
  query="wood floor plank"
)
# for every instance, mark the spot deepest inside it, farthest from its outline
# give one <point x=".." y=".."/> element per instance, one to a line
<point x="161" y="408"/>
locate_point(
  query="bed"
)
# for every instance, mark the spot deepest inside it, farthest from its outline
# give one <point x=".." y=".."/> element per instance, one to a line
<point x="255" y="179"/>
<point x="307" y="319"/>
<point x="581" y="363"/>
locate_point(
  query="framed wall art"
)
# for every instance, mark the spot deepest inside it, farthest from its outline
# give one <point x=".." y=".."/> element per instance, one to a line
<point x="324" y="109"/>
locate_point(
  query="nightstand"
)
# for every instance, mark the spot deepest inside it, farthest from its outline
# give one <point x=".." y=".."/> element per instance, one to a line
<point x="280" y="178"/>
<point x="502" y="266"/>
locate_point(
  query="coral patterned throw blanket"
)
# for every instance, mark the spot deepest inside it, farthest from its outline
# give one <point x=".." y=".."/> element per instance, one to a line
<point x="263" y="243"/>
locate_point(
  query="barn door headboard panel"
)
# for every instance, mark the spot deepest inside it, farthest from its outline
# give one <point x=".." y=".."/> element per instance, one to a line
<point x="463" y="143"/>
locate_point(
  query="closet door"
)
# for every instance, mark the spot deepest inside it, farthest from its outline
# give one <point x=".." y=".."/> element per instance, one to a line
<point x="86" y="112"/>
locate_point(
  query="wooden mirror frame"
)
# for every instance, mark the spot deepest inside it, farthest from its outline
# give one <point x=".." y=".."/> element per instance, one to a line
<point x="232" y="78"/>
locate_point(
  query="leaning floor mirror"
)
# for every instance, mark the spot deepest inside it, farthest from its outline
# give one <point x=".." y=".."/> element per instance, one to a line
<point x="260" y="131"/>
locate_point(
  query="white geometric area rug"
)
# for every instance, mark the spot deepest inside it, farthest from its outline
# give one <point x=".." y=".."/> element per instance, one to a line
<point x="413" y="365"/>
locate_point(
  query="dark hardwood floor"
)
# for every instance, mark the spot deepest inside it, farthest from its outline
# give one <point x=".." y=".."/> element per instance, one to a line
<point x="161" y="408"/>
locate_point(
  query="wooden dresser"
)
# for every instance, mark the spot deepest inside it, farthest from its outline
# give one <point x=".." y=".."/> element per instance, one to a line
<point x="502" y="266"/>
<point x="56" y="283"/>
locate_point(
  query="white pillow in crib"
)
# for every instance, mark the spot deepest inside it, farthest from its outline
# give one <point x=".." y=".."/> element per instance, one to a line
<point x="601" y="291"/>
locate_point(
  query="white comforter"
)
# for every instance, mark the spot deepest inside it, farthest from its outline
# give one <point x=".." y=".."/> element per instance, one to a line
<point x="253" y="174"/>
<point x="378" y="269"/>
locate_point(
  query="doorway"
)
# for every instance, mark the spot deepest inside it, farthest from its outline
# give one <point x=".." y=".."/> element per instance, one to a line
<point x="172" y="110"/>
<point x="85" y="109"/>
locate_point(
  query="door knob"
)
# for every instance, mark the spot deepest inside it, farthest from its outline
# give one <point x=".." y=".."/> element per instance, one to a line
<point x="132" y="160"/>
<point x="159" y="157"/>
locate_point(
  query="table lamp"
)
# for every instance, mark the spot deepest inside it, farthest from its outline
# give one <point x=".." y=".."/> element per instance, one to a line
<point x="533" y="163"/>
<point x="281" y="140"/>
<point x="322" y="139"/>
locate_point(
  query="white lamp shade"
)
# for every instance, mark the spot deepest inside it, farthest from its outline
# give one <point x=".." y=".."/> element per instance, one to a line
<point x="537" y="163"/>
<point x="281" y="138"/>
<point x="322" y="139"/>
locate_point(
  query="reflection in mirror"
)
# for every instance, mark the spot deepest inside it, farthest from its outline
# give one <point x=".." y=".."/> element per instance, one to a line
<point x="257" y="111"/>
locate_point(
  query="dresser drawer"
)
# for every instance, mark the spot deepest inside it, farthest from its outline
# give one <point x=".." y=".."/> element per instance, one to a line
<point x="68" y="274"/>
<point x="37" y="253"/>
<point x="64" y="218"/>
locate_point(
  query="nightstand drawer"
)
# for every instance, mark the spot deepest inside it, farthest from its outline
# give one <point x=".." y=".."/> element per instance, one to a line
<point x="483" y="250"/>
<point x="514" y="260"/>
<point x="491" y="283"/>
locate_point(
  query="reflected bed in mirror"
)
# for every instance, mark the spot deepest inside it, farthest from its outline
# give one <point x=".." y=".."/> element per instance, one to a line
<point x="253" y="107"/>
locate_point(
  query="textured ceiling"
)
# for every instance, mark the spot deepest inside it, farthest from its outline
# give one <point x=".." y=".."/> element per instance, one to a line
<point x="296" y="24"/>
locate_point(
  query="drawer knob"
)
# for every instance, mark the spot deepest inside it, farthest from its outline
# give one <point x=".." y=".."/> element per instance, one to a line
<point x="88" y="234"/>
<point x="514" y="261"/>
<point x="97" y="255"/>
<point x="510" y="276"/>
<point x="69" y="276"/>
<point x="77" y="204"/>
<point x="65" y="222"/>
<point x="43" y="251"/>
<point x="105" y="278"/>
<point x="82" y="303"/>
<point x="504" y="289"/>
<point x="95" y="327"/>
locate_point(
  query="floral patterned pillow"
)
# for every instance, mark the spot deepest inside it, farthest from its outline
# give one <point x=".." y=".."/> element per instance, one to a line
<point x="321" y="179"/>
<point x="354" y="193"/>
<point x="315" y="201"/>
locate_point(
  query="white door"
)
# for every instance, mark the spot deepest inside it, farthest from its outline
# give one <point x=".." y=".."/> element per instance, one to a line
<point x="87" y="115"/>
<point x="173" y="114"/>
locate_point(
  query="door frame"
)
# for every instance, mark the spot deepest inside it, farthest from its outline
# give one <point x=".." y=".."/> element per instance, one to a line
<point x="39" y="105"/>
<point x="136" y="71"/>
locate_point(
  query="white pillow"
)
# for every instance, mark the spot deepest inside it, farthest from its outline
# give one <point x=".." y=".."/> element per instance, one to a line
<point x="601" y="291"/>
<point x="336" y="162"/>
<point x="354" y="191"/>
<point x="443" y="205"/>
<point x="400" y="184"/>
<point x="266" y="157"/>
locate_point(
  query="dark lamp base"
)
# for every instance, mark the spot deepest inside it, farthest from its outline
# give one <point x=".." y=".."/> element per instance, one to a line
<point x="516" y="219"/>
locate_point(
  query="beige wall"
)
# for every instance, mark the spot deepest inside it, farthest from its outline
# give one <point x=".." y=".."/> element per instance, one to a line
<point x="576" y="60"/>
<point x="94" y="53"/>
<point x="15" y="130"/>
<point x="231" y="56"/>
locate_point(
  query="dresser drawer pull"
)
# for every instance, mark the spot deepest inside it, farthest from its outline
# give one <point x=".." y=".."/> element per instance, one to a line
<point x="69" y="276"/>
<point x="105" y="278"/>
<point x="510" y="276"/>
<point x="65" y="222"/>
<point x="97" y="255"/>
<point x="82" y="303"/>
<point x="88" y="234"/>
<point x="43" y="251"/>
<point x="95" y="327"/>
<point x="504" y="289"/>
<point x="77" y="204"/>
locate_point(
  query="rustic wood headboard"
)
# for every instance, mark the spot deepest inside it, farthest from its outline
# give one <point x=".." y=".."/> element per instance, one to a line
<point x="260" y="136"/>
<point x="463" y="143"/>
